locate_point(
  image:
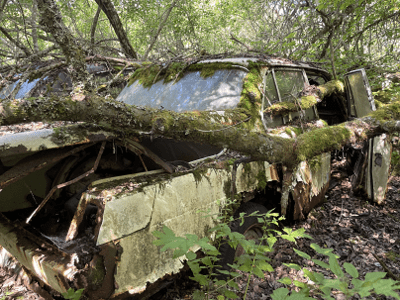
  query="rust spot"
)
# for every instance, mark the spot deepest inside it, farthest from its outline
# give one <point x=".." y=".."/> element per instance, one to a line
<point x="108" y="252"/>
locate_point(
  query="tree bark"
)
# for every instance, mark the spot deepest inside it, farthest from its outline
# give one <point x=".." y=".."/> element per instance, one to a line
<point x="93" y="28"/>
<point x="34" y="27"/>
<point x="112" y="15"/>
<point x="50" y="18"/>
<point x="204" y="126"/>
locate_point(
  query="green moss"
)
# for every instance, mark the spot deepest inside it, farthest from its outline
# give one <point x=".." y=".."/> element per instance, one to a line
<point x="208" y="69"/>
<point x="393" y="256"/>
<point x="282" y="108"/>
<point x="97" y="274"/>
<point x="148" y="74"/>
<point x="321" y="139"/>
<point x="315" y="162"/>
<point x="227" y="188"/>
<point x="199" y="174"/>
<point x="251" y="97"/>
<point x="387" y="112"/>
<point x="262" y="180"/>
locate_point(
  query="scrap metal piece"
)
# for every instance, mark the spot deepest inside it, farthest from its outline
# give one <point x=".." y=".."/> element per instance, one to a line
<point x="378" y="166"/>
<point x="52" y="266"/>
<point x="78" y="217"/>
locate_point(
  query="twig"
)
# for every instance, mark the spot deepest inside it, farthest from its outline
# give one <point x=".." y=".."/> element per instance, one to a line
<point x="76" y="179"/>
<point x="389" y="273"/>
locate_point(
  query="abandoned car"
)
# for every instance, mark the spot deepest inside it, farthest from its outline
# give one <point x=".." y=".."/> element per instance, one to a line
<point x="78" y="204"/>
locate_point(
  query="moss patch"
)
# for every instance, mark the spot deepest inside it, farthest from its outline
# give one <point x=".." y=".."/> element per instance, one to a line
<point x="150" y="74"/>
<point x="286" y="107"/>
<point x="388" y="112"/>
<point x="321" y="140"/>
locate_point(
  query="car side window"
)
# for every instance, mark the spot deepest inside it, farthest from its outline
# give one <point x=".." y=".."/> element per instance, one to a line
<point x="290" y="84"/>
<point x="270" y="90"/>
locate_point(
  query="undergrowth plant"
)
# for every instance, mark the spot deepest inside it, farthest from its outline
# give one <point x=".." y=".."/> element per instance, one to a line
<point x="347" y="283"/>
<point x="72" y="294"/>
<point x="206" y="270"/>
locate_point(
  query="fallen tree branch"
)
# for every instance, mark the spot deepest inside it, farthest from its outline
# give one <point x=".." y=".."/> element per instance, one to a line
<point x="230" y="130"/>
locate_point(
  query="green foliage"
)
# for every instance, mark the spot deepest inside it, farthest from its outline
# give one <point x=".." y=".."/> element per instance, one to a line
<point x="253" y="261"/>
<point x="345" y="281"/>
<point x="72" y="294"/>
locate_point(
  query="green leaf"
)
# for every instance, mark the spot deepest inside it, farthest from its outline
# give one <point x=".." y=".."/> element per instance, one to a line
<point x="263" y="265"/>
<point x="335" y="268"/>
<point x="285" y="280"/>
<point x="191" y="255"/>
<point x="230" y="294"/>
<point x="351" y="270"/>
<point x="291" y="35"/>
<point x="233" y="284"/>
<point x="374" y="276"/>
<point x="321" y="263"/>
<point x="257" y="271"/>
<point x="198" y="295"/>
<point x="300" y="284"/>
<point x="298" y="296"/>
<point x="386" y="287"/>
<point x="302" y="254"/>
<point x="220" y="282"/>
<point x="280" y="294"/>
<point x="324" y="251"/>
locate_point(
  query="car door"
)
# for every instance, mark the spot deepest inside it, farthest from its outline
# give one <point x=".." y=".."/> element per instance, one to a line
<point x="360" y="104"/>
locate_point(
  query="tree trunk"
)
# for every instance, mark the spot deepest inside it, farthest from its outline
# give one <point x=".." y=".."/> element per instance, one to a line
<point x="112" y="15"/>
<point x="93" y="28"/>
<point x="204" y="126"/>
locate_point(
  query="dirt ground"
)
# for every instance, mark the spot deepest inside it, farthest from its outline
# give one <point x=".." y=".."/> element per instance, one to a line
<point x="357" y="230"/>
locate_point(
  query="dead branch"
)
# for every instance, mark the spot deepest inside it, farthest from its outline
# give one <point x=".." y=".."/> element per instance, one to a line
<point x="160" y="27"/>
<point x="241" y="43"/>
<point x="388" y="271"/>
<point x="106" y="58"/>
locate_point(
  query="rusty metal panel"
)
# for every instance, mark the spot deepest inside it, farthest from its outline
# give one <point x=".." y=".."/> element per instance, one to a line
<point x="309" y="184"/>
<point x="377" y="173"/>
<point x="50" y="265"/>
<point x="131" y="218"/>
<point x="32" y="141"/>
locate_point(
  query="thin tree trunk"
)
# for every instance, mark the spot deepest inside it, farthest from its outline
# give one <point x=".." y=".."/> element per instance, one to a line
<point x="112" y="15"/>
<point x="160" y="27"/>
<point x="34" y="27"/>
<point x="93" y="28"/>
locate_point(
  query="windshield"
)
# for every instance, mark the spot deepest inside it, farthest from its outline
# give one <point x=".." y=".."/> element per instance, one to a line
<point x="193" y="92"/>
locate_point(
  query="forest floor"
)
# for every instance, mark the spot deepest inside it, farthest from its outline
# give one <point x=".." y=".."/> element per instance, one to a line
<point x="357" y="230"/>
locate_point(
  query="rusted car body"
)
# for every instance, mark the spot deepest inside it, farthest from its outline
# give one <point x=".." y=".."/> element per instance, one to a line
<point x="78" y="204"/>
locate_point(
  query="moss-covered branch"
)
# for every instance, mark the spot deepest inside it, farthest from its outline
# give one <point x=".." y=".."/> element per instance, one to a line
<point x="230" y="129"/>
<point x="313" y="95"/>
